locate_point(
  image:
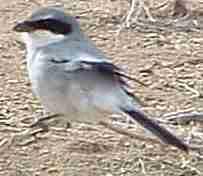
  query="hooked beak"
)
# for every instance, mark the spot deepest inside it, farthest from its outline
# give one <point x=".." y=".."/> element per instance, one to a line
<point x="25" y="26"/>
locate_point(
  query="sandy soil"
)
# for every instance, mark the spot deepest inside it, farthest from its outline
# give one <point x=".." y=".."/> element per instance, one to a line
<point x="168" y="61"/>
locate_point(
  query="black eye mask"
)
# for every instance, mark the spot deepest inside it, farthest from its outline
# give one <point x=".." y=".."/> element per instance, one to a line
<point x="52" y="25"/>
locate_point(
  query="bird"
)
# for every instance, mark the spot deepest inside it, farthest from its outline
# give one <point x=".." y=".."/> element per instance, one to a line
<point x="74" y="78"/>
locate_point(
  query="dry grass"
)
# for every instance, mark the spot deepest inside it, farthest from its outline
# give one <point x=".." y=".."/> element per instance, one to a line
<point x="168" y="59"/>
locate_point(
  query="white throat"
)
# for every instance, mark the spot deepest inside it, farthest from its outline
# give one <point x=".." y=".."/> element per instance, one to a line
<point x="39" y="39"/>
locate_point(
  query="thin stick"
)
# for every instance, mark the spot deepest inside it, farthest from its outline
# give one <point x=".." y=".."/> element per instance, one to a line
<point x="186" y="117"/>
<point x="40" y="121"/>
<point x="131" y="11"/>
<point x="187" y="87"/>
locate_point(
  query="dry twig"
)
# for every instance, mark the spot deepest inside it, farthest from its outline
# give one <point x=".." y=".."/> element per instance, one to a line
<point x="185" y="117"/>
<point x="137" y="6"/>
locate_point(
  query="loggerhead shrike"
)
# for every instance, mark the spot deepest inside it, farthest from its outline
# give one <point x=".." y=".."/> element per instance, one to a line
<point x="72" y="77"/>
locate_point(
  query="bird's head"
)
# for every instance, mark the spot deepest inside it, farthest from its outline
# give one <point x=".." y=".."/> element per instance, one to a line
<point x="47" y="25"/>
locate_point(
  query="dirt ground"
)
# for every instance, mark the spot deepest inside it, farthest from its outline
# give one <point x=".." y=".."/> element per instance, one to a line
<point x="168" y="61"/>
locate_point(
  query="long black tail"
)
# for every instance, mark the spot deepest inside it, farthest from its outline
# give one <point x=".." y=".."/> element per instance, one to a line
<point x="157" y="130"/>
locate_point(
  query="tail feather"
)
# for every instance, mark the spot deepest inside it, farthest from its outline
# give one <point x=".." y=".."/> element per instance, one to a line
<point x="157" y="130"/>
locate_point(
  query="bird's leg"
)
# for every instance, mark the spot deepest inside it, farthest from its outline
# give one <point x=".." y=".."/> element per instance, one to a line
<point x="40" y="122"/>
<point x="39" y="126"/>
<point x="57" y="120"/>
<point x="31" y="131"/>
